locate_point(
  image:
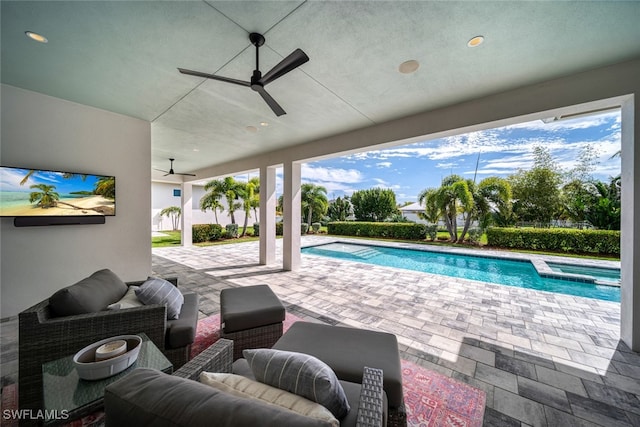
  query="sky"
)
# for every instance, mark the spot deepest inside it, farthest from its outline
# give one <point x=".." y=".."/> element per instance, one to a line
<point x="10" y="181"/>
<point x="409" y="169"/>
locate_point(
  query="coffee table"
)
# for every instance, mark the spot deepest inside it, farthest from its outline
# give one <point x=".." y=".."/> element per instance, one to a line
<point x="67" y="396"/>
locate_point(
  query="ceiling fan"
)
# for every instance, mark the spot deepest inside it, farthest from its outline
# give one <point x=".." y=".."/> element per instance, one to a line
<point x="258" y="81"/>
<point x="171" y="172"/>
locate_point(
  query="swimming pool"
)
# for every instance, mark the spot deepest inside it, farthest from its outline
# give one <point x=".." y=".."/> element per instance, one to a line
<point x="510" y="272"/>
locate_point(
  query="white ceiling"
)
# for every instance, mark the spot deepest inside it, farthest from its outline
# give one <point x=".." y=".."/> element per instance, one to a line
<point x="122" y="56"/>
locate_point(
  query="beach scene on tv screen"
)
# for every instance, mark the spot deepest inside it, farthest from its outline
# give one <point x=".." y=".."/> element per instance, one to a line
<point x="29" y="192"/>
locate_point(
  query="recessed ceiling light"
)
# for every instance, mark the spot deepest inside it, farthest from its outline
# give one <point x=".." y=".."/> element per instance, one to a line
<point x="264" y="124"/>
<point x="408" y="67"/>
<point x="252" y="129"/>
<point x="476" y="41"/>
<point x="37" y="37"/>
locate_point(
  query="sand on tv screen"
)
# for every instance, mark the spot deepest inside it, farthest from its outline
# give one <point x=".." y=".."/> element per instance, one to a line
<point x="34" y="192"/>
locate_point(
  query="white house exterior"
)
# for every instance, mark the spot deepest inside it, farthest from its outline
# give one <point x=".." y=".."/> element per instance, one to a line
<point x="164" y="195"/>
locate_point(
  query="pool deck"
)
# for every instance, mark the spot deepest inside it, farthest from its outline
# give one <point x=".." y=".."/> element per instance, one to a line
<point x="544" y="359"/>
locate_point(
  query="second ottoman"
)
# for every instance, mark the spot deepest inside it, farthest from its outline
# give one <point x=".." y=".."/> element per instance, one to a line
<point x="251" y="316"/>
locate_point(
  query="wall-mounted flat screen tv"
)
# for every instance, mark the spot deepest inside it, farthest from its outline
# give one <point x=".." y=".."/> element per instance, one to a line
<point x="35" y="192"/>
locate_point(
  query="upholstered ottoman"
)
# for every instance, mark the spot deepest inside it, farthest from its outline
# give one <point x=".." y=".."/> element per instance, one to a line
<point x="251" y="316"/>
<point x="347" y="351"/>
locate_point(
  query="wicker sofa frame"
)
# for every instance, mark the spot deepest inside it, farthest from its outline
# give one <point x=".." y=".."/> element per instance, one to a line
<point x="219" y="358"/>
<point x="43" y="338"/>
<point x="259" y="337"/>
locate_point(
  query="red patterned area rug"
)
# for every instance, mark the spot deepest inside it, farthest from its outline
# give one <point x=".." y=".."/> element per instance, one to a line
<point x="432" y="399"/>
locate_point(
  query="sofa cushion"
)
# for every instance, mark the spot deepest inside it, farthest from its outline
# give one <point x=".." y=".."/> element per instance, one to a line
<point x="159" y="291"/>
<point x="249" y="307"/>
<point x="244" y="387"/>
<point x="150" y="397"/>
<point x="89" y="295"/>
<point x="357" y="348"/>
<point x="129" y="300"/>
<point x="182" y="331"/>
<point x="301" y="374"/>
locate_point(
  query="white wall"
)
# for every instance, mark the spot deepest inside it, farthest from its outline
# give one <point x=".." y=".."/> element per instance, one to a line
<point x="162" y="197"/>
<point x="43" y="132"/>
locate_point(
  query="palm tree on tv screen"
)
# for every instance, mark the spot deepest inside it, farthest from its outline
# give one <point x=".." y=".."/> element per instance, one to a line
<point x="106" y="187"/>
<point x="46" y="197"/>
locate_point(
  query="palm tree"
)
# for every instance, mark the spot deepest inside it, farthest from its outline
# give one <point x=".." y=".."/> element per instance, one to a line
<point x="106" y="187"/>
<point x="450" y="199"/>
<point x="248" y="195"/>
<point x="211" y="201"/>
<point x="432" y="211"/>
<point x="229" y="188"/>
<point x="174" y="213"/>
<point x="314" y="199"/>
<point x="46" y="197"/>
<point x="491" y="193"/>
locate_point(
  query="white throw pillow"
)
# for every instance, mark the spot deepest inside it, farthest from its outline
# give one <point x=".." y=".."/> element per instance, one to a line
<point x="244" y="387"/>
<point x="129" y="300"/>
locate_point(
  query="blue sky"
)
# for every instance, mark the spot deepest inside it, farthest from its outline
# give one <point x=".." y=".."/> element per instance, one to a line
<point x="10" y="181"/>
<point x="503" y="151"/>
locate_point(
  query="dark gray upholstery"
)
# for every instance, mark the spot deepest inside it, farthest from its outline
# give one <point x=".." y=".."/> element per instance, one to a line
<point x="151" y="398"/>
<point x="347" y="351"/>
<point x="249" y="307"/>
<point x="89" y="295"/>
<point x="182" y="331"/>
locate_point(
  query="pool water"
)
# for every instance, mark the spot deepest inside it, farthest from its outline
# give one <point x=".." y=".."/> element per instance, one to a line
<point x="606" y="275"/>
<point x="492" y="270"/>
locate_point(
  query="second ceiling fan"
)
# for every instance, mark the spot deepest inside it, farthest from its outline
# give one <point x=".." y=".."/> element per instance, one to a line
<point x="258" y="81"/>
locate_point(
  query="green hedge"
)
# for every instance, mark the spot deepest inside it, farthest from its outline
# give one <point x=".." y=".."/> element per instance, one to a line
<point x="556" y="239"/>
<point x="206" y="233"/>
<point x="393" y="230"/>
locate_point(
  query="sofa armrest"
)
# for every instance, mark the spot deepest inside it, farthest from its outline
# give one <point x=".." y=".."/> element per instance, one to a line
<point x="370" y="412"/>
<point x="44" y="338"/>
<point x="217" y="358"/>
<point x="172" y="280"/>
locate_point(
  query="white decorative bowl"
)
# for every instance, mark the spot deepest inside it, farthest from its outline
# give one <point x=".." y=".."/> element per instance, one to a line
<point x="90" y="369"/>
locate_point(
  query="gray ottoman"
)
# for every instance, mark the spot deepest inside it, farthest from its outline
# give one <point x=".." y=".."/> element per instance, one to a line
<point x="347" y="351"/>
<point x="251" y="316"/>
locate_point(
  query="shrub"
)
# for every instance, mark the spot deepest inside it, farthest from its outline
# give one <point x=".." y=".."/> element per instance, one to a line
<point x="556" y="239"/>
<point x="304" y="227"/>
<point x="256" y="229"/>
<point x="232" y="231"/>
<point x="475" y="234"/>
<point x="206" y="233"/>
<point x="279" y="228"/>
<point x="316" y="227"/>
<point x="432" y="232"/>
<point x="392" y="230"/>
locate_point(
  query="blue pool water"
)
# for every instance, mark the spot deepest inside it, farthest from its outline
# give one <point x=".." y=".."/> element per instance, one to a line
<point x="493" y="270"/>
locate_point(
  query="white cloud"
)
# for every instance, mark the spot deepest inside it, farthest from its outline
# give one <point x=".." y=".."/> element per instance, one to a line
<point x="384" y="164"/>
<point x="318" y="173"/>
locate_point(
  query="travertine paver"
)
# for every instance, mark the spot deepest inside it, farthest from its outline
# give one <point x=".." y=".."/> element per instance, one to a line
<point x="542" y="358"/>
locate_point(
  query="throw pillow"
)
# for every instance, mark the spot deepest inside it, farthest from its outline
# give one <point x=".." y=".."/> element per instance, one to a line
<point x="159" y="291"/>
<point x="301" y="374"/>
<point x="244" y="387"/>
<point x="129" y="300"/>
<point x="89" y="295"/>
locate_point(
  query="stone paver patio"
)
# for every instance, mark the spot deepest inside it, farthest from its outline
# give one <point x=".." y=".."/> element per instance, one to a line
<point x="543" y="359"/>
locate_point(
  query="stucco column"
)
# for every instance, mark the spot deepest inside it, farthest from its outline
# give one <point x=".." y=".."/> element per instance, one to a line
<point x="630" y="238"/>
<point x="267" y="215"/>
<point x="187" y="213"/>
<point x="291" y="231"/>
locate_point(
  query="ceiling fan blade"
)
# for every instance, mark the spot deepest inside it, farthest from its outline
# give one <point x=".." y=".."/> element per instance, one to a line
<point x="291" y="62"/>
<point x="271" y="102"/>
<point x="160" y="170"/>
<point x="214" y="77"/>
<point x="185" y="174"/>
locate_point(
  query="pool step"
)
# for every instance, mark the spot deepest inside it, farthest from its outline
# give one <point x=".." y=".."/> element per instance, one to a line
<point x="366" y="253"/>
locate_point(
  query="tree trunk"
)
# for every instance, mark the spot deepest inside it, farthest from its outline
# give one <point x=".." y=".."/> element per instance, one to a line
<point x="467" y="224"/>
<point x="246" y="222"/>
<point x="215" y="213"/>
<point x="309" y="217"/>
